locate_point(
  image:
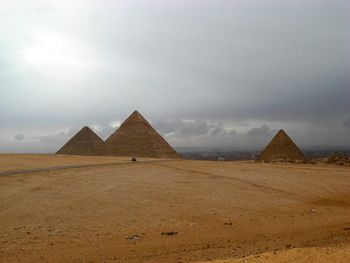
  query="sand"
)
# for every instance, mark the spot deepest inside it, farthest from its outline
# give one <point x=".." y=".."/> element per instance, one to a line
<point x="240" y="211"/>
<point x="15" y="162"/>
<point x="338" y="253"/>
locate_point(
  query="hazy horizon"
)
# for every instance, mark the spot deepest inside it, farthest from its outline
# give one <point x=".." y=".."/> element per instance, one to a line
<point x="212" y="74"/>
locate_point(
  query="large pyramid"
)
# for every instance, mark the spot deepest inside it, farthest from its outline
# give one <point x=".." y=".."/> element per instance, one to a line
<point x="136" y="137"/>
<point x="280" y="148"/>
<point x="85" y="142"/>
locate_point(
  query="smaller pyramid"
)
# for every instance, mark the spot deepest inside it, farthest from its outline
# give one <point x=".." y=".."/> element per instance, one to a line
<point x="85" y="142"/>
<point x="136" y="137"/>
<point x="281" y="148"/>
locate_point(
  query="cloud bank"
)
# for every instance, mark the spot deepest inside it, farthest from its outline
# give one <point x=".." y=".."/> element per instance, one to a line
<point x="205" y="73"/>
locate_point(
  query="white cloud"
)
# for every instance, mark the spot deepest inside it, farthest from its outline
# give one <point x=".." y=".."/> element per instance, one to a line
<point x="57" y="53"/>
<point x="115" y="124"/>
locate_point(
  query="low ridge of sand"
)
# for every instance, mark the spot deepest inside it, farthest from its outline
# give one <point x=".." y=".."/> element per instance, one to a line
<point x="335" y="253"/>
<point x="172" y="211"/>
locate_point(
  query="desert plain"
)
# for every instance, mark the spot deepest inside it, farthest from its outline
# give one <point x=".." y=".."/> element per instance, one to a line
<point x="57" y="208"/>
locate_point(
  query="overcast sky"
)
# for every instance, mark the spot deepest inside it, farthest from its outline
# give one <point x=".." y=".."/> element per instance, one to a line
<point x="205" y="73"/>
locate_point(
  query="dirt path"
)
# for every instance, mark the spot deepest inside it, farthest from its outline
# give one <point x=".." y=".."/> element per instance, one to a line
<point x="55" y="168"/>
<point x="66" y="167"/>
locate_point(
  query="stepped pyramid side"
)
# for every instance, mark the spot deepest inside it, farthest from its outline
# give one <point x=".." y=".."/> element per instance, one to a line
<point x="136" y="137"/>
<point x="85" y="142"/>
<point x="281" y="147"/>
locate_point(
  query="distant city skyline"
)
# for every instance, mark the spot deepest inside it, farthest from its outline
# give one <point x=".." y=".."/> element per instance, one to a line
<point x="211" y="74"/>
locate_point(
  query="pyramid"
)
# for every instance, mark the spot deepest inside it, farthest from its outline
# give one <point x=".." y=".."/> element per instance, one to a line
<point x="137" y="138"/>
<point x="282" y="148"/>
<point x="85" y="142"/>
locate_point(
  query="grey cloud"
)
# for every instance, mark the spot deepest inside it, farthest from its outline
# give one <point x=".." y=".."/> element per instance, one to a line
<point x="346" y="122"/>
<point x="19" y="137"/>
<point x="281" y="63"/>
<point x="193" y="128"/>
<point x="182" y="127"/>
<point x="232" y="132"/>
<point x="259" y="131"/>
<point x="187" y="128"/>
<point x="57" y="137"/>
<point x="217" y="130"/>
<point x="166" y="126"/>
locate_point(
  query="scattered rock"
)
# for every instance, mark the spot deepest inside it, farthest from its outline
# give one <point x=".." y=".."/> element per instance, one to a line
<point x="338" y="158"/>
<point x="228" y="223"/>
<point x="133" y="159"/>
<point x="313" y="210"/>
<point x="133" y="237"/>
<point x="169" y="233"/>
<point x="289" y="246"/>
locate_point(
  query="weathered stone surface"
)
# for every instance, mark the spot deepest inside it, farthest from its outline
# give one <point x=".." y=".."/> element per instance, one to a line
<point x="137" y="138"/>
<point x="85" y="142"/>
<point x="281" y="148"/>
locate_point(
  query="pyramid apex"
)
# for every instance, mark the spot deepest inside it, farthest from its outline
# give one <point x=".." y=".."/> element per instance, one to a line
<point x="136" y="113"/>
<point x="85" y="129"/>
<point x="135" y="116"/>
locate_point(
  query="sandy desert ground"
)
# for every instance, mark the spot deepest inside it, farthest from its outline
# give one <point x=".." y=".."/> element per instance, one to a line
<point x="110" y="209"/>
